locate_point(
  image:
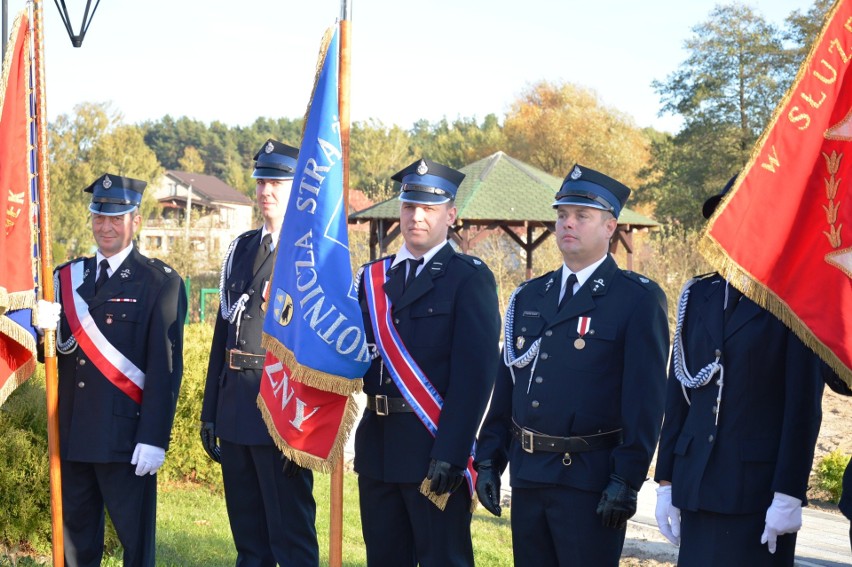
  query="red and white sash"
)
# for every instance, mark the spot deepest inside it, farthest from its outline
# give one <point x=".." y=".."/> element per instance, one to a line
<point x="414" y="385"/>
<point x="115" y="367"/>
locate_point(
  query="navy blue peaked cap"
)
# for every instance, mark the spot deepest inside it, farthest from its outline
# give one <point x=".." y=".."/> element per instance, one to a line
<point x="589" y="188"/>
<point x="275" y="160"/>
<point x="114" y="195"/>
<point x="428" y="183"/>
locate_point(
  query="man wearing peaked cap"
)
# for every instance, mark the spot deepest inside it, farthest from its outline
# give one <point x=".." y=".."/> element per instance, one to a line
<point x="743" y="410"/>
<point x="269" y="498"/>
<point x="578" y="399"/>
<point x="118" y="388"/>
<point x="412" y="469"/>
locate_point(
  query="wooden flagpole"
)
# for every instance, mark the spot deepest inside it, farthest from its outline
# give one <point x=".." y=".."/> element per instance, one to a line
<point x="335" y="552"/>
<point x="46" y="284"/>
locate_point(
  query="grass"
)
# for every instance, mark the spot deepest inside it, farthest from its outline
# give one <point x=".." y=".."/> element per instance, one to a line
<point x="193" y="531"/>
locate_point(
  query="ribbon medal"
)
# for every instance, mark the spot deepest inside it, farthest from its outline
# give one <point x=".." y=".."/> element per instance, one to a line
<point x="583" y="325"/>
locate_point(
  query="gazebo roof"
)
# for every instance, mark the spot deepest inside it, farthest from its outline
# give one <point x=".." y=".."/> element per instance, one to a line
<point x="502" y="188"/>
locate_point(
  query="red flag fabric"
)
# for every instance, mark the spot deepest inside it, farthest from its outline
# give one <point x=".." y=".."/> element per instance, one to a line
<point x="779" y="235"/>
<point x="17" y="239"/>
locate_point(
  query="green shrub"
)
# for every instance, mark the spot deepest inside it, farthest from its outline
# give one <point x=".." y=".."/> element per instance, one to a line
<point x="24" y="474"/>
<point x="829" y="473"/>
<point x="186" y="459"/>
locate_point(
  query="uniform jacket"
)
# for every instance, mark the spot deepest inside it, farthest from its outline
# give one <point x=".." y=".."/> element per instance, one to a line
<point x="617" y="380"/>
<point x="230" y="396"/>
<point x="770" y="409"/>
<point x="98" y="423"/>
<point x="449" y="321"/>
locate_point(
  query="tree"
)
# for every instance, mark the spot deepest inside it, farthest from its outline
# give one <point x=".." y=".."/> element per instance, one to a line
<point x="553" y="126"/>
<point x="191" y="161"/>
<point x="736" y="72"/>
<point x="83" y="147"/>
<point x="460" y="143"/>
<point x="377" y="152"/>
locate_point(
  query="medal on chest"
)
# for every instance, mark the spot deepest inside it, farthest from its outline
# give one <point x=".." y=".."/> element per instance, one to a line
<point x="583" y="324"/>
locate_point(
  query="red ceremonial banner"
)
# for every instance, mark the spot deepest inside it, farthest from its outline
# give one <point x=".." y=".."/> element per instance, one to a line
<point x="779" y="234"/>
<point x="17" y="260"/>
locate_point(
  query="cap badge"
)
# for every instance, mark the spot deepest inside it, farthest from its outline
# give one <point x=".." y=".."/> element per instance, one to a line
<point x="576" y="174"/>
<point x="422" y="168"/>
<point x="107" y="183"/>
<point x="268" y="148"/>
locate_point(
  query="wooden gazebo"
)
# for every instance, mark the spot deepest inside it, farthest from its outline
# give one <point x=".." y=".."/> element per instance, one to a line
<point x="498" y="193"/>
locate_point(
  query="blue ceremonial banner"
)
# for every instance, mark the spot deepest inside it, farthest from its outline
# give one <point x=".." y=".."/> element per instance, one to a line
<point x="313" y="331"/>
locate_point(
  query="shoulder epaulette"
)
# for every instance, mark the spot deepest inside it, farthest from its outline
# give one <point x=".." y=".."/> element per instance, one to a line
<point x="637" y="277"/>
<point x="472" y="260"/>
<point x="77" y="259"/>
<point x="162" y="266"/>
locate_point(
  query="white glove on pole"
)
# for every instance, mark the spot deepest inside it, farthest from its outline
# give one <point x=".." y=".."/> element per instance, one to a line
<point x="668" y="516"/>
<point x="784" y="516"/>
<point x="147" y="458"/>
<point x="47" y="315"/>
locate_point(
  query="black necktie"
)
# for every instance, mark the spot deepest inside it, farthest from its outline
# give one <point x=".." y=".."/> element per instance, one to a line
<point x="569" y="290"/>
<point x="412" y="270"/>
<point x="262" y="252"/>
<point x="102" y="276"/>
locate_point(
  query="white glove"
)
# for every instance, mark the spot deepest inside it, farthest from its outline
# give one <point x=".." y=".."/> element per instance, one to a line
<point x="147" y="458"/>
<point x="47" y="315"/>
<point x="668" y="516"/>
<point x="784" y="516"/>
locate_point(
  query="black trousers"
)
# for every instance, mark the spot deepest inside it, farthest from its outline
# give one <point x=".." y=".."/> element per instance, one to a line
<point x="132" y="504"/>
<point x="403" y="528"/>
<point x="711" y="539"/>
<point x="272" y="517"/>
<point x="558" y="526"/>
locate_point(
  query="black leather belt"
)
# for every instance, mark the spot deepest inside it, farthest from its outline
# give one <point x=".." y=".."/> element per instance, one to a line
<point x="532" y="441"/>
<point x="384" y="405"/>
<point x="239" y="360"/>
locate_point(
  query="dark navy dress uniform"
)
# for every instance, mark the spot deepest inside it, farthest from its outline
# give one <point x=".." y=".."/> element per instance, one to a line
<point x="581" y="409"/>
<point x="724" y="472"/>
<point x="272" y="515"/>
<point x="614" y="382"/>
<point x="140" y="310"/>
<point x="448" y="320"/>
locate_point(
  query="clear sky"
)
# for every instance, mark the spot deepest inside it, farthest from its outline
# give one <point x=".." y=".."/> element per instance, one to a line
<point x="235" y="61"/>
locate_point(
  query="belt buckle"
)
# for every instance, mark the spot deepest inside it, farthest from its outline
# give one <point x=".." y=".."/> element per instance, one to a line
<point x="527" y="441"/>
<point x="231" y="364"/>
<point x="382" y="405"/>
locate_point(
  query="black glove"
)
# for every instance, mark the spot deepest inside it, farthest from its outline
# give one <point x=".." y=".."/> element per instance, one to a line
<point x="618" y="503"/>
<point x="291" y="469"/>
<point x="209" y="442"/>
<point x="444" y="476"/>
<point x="488" y="486"/>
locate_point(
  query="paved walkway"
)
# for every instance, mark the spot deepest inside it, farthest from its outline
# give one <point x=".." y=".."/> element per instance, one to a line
<point x="823" y="539"/>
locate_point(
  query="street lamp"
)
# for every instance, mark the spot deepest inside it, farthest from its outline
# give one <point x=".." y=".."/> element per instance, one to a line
<point x="77" y="39"/>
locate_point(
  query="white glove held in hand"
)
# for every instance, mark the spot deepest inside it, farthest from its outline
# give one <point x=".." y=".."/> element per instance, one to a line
<point x="668" y="516"/>
<point x="47" y="315"/>
<point x="147" y="459"/>
<point x="784" y="516"/>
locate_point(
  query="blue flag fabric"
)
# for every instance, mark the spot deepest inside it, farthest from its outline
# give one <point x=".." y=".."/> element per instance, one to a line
<point x="313" y="324"/>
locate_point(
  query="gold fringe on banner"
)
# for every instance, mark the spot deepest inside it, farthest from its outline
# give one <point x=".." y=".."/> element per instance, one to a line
<point x="20" y="376"/>
<point x="10" y="53"/>
<point x="326" y="40"/>
<point x="314" y="378"/>
<point x="439" y="500"/>
<point x="766" y="298"/>
<point x="306" y="460"/>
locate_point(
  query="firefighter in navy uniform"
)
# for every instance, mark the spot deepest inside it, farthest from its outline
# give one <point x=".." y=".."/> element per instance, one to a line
<point x="269" y="498"/>
<point x="120" y="358"/>
<point x="578" y="401"/>
<point x="443" y="305"/>
<point x="743" y="411"/>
